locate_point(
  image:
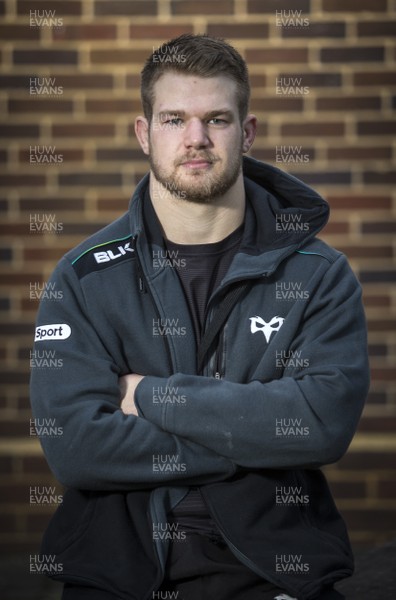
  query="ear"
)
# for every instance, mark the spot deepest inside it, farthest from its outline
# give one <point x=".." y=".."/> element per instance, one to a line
<point x="249" y="127"/>
<point x="142" y="133"/>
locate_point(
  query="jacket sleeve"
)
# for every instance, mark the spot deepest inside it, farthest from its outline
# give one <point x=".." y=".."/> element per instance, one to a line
<point x="307" y="417"/>
<point x="76" y="395"/>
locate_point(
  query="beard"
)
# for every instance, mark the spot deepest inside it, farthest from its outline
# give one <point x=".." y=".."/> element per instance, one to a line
<point x="194" y="186"/>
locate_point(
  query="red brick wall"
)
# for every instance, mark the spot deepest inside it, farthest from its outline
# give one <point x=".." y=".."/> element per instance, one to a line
<point x="338" y="124"/>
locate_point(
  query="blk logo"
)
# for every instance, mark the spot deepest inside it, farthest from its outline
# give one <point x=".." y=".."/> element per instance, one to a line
<point x="258" y="324"/>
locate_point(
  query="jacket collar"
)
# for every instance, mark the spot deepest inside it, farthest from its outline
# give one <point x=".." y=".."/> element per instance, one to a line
<point x="282" y="215"/>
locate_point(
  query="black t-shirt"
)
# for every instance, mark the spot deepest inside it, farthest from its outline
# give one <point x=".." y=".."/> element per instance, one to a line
<point x="201" y="268"/>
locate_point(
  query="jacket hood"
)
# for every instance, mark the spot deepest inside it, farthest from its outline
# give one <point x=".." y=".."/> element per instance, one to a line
<point x="292" y="213"/>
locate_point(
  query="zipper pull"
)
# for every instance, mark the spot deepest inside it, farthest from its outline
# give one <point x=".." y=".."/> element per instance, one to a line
<point x="142" y="287"/>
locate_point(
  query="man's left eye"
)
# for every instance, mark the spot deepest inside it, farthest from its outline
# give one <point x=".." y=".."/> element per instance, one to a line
<point x="216" y="121"/>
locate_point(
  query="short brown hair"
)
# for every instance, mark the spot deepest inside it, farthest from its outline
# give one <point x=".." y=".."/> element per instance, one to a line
<point x="199" y="55"/>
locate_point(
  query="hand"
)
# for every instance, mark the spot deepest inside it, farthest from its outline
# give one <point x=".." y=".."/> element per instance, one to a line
<point x="128" y="384"/>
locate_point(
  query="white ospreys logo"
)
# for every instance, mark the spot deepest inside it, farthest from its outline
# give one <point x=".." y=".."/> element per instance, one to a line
<point x="258" y="324"/>
<point x="284" y="597"/>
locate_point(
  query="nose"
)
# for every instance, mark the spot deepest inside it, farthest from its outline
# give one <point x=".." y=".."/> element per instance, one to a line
<point x="195" y="134"/>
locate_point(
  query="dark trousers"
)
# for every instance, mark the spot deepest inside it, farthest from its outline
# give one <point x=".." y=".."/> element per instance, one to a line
<point x="203" y="568"/>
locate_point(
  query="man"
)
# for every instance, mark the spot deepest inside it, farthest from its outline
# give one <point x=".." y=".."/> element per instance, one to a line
<point x="238" y="342"/>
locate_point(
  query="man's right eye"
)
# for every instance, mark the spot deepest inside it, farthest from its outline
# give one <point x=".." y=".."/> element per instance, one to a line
<point x="174" y="121"/>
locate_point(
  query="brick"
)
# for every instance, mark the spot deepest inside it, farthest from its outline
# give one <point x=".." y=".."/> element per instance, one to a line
<point x="317" y="29"/>
<point x="387" y="488"/>
<point x="23" y="403"/>
<point x="73" y="130"/>
<point x="380" y="177"/>
<point x="353" y="202"/>
<point x="10" y="229"/>
<point x="39" y="105"/>
<point x="159" y="32"/>
<point x="125" y="7"/>
<point x="85" y="32"/>
<point x="65" y="7"/>
<point x="132" y="81"/>
<point x="324" y="178"/>
<point x="6" y="254"/>
<point x="353" y="6"/>
<point x="309" y="129"/>
<point x="347" y="489"/>
<point x="15" y="428"/>
<point x="357" y="519"/>
<point x="385" y="424"/>
<point x="120" y="56"/>
<point x="344" y="103"/>
<point x="375" y="78"/>
<point x="83" y="229"/>
<point x="12" y="328"/>
<point x="8" y="523"/>
<point x="383" y="276"/>
<point x="257" y="80"/>
<point x="91" y="179"/>
<point x="43" y="254"/>
<point x="376" y="398"/>
<point x="354" y="54"/>
<point x="376" y="28"/>
<point x="19" y="130"/>
<point x="113" y="105"/>
<point x="118" y="205"/>
<point x="368" y="460"/>
<point x="86" y="81"/>
<point x="287" y="104"/>
<point x="40" y="205"/>
<point x="376" y="301"/>
<point x="13" y="33"/>
<point x="381" y="325"/>
<point x="204" y="7"/>
<point x="6" y="465"/>
<point x="367" y="251"/>
<point x="22" y="179"/>
<point x="316" y="80"/>
<point x="386" y="127"/>
<point x="360" y="153"/>
<point x="118" y="154"/>
<point x="239" y="30"/>
<point x="18" y="82"/>
<point x="45" y="57"/>
<point x="14" y="492"/>
<point x="335" y="228"/>
<point x="35" y="464"/>
<point x="378" y="350"/>
<point x="276" y="55"/>
<point x="271" y="6"/>
<point x="5" y="304"/>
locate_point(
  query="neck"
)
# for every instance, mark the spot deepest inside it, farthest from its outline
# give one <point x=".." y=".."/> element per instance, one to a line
<point x="185" y="222"/>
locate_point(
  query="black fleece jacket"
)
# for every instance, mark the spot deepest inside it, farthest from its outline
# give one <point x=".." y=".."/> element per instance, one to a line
<point x="279" y="396"/>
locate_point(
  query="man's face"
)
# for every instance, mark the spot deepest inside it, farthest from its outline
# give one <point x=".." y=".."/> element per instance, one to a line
<point x="195" y="138"/>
